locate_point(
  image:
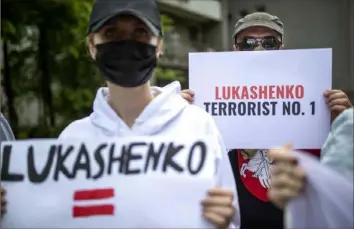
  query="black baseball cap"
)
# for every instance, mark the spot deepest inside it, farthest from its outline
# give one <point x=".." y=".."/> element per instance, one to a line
<point x="145" y="10"/>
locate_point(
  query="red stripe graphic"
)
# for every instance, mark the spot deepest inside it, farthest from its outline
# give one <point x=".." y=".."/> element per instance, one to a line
<point x="94" y="194"/>
<point x="106" y="209"/>
<point x="93" y="209"/>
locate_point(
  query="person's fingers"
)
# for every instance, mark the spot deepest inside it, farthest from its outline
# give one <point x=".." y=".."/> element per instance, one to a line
<point x="337" y="109"/>
<point x="220" y="192"/>
<point x="187" y="97"/>
<point x="288" y="146"/>
<point x="335" y="95"/>
<point x="330" y="92"/>
<point x="283" y="167"/>
<point x="289" y="168"/>
<point x="282" y="154"/>
<point x="285" y="182"/>
<point x="293" y="180"/>
<point x="220" y="210"/>
<point x="279" y="153"/>
<point x="339" y="101"/>
<point x="280" y="197"/>
<point x="286" y="185"/>
<point x="215" y="219"/>
<point x="3" y="202"/>
<point x="3" y="193"/>
<point x="285" y="193"/>
<point x="3" y="211"/>
<point x="3" y="206"/>
<point x="299" y="173"/>
<point x="189" y="92"/>
<point x="217" y="200"/>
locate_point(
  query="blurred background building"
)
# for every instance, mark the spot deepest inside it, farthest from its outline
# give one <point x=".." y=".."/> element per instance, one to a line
<point x="207" y="25"/>
<point x="45" y="64"/>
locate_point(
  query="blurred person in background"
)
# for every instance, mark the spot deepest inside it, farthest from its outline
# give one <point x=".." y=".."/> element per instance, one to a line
<point x="261" y="31"/>
<point x="289" y="179"/>
<point x="125" y="41"/>
<point x="5" y="135"/>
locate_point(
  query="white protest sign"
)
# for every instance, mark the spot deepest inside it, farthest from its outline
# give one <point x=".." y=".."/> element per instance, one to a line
<point x="264" y="99"/>
<point x="131" y="183"/>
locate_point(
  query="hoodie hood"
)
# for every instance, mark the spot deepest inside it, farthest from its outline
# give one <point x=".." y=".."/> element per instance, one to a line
<point x="158" y="114"/>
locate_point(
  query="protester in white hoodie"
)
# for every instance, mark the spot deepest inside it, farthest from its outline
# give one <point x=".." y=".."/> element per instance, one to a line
<point x="123" y="40"/>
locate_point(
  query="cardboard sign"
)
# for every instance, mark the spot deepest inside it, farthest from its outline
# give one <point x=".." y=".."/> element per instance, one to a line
<point x="131" y="183"/>
<point x="264" y="99"/>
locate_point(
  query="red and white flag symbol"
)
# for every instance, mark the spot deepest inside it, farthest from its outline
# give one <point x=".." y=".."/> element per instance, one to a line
<point x="93" y="209"/>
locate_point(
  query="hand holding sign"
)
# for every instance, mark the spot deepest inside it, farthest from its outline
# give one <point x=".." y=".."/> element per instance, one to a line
<point x="218" y="207"/>
<point x="3" y="201"/>
<point x="288" y="179"/>
<point x="188" y="95"/>
<point x="337" y="102"/>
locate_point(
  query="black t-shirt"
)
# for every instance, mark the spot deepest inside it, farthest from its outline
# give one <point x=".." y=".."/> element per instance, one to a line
<point x="252" y="179"/>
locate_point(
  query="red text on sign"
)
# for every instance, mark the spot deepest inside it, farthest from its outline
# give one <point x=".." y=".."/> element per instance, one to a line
<point x="259" y="92"/>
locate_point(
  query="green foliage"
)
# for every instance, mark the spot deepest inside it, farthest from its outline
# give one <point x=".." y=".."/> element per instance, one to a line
<point x="46" y="63"/>
<point x="167" y="23"/>
<point x="166" y="74"/>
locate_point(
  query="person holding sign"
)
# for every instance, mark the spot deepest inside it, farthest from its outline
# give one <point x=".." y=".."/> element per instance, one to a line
<point x="259" y="32"/>
<point x="124" y="41"/>
<point x="289" y="179"/>
<point x="328" y="194"/>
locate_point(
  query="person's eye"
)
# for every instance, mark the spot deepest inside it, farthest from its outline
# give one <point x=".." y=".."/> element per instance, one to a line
<point x="110" y="32"/>
<point x="141" y="32"/>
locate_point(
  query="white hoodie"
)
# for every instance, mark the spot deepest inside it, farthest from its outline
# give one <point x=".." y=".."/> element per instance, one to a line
<point x="168" y="114"/>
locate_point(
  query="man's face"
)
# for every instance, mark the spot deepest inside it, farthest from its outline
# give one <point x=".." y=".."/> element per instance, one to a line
<point x="123" y="27"/>
<point x="257" y="39"/>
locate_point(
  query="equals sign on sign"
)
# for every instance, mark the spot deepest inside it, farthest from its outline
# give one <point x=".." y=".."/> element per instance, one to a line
<point x="94" y="203"/>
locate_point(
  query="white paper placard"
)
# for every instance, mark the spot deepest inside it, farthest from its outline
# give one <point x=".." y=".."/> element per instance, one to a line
<point x="264" y="99"/>
<point x="135" y="182"/>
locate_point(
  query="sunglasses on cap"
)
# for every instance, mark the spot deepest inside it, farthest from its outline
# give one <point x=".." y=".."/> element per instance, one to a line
<point x="250" y="43"/>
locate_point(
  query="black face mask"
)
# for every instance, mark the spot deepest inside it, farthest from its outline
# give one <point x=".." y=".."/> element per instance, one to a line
<point x="126" y="63"/>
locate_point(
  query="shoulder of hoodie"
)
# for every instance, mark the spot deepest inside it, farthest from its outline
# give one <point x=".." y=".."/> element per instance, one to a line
<point x="81" y="128"/>
<point x="203" y="123"/>
<point x="201" y="119"/>
<point x="196" y="118"/>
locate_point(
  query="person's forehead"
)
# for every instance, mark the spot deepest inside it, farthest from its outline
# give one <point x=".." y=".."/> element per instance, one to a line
<point x="258" y="31"/>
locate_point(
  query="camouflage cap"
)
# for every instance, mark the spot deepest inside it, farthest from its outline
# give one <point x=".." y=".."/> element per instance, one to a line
<point x="259" y="19"/>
